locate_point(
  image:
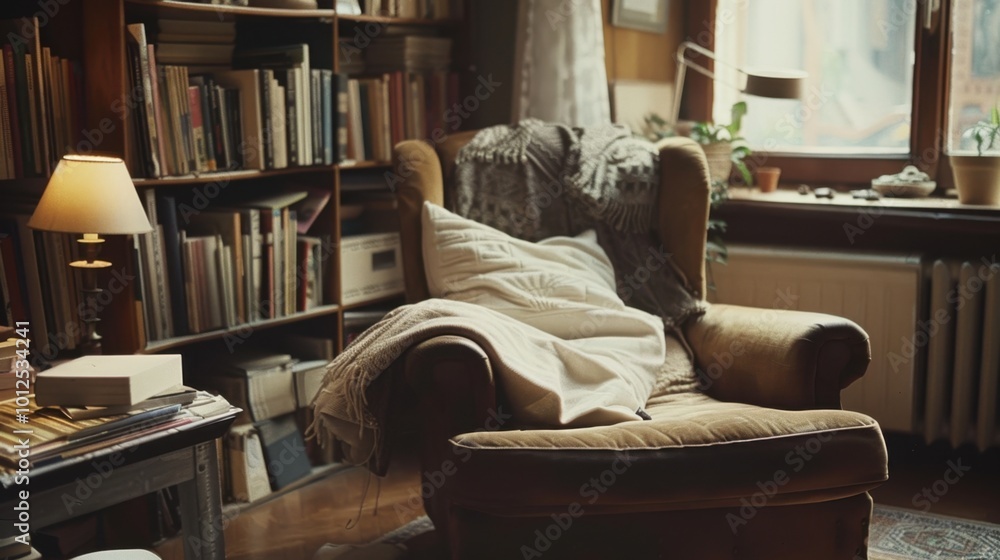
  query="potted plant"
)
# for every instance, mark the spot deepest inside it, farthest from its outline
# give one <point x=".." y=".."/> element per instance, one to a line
<point x="977" y="178"/>
<point x="724" y="147"/>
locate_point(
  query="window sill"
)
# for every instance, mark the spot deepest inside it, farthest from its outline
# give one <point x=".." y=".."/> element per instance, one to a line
<point x="791" y="199"/>
<point x="931" y="226"/>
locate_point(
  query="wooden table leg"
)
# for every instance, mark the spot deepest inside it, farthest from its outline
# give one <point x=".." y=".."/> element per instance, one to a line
<point x="201" y="507"/>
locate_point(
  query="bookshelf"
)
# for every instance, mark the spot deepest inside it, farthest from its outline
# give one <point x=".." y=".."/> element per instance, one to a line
<point x="111" y="118"/>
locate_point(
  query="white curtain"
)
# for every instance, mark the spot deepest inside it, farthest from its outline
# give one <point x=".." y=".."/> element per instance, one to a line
<point x="559" y="73"/>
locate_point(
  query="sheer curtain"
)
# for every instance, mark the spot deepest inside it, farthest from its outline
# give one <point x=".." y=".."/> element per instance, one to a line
<point x="559" y="73"/>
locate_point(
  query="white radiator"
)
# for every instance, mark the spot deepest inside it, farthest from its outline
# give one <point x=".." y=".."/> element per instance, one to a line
<point x="933" y="372"/>
<point x="963" y="357"/>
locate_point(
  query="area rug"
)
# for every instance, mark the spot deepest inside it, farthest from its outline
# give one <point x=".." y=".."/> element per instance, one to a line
<point x="895" y="534"/>
<point x="903" y="534"/>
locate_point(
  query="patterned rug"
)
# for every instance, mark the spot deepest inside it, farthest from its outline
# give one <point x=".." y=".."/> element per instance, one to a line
<point x="895" y="534"/>
<point x="902" y="534"/>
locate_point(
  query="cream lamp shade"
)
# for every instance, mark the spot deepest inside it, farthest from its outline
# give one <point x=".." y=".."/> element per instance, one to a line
<point x="90" y="194"/>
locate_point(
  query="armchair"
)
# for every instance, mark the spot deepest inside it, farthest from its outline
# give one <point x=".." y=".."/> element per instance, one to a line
<point x="760" y="463"/>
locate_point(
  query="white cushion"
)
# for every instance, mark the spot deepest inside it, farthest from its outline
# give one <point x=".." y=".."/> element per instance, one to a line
<point x="131" y="554"/>
<point x="471" y="262"/>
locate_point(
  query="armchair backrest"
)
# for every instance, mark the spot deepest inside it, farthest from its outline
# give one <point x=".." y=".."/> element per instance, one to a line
<point x="426" y="172"/>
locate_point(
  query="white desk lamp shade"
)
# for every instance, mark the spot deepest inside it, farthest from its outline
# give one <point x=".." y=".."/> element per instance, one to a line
<point x="90" y="194"/>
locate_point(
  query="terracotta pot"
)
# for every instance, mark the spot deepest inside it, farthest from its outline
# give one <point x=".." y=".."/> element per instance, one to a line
<point x="767" y="178"/>
<point x="720" y="160"/>
<point x="977" y="179"/>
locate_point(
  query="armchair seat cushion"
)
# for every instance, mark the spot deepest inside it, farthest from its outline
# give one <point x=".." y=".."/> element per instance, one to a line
<point x="695" y="453"/>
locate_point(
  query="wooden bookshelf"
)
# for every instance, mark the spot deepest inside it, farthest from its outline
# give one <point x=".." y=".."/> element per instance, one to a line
<point x="97" y="37"/>
<point x="94" y="34"/>
<point x="171" y="5"/>
<point x="182" y="341"/>
<point x="399" y="21"/>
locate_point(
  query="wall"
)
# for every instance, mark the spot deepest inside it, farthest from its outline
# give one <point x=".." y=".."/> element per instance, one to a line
<point x="639" y="55"/>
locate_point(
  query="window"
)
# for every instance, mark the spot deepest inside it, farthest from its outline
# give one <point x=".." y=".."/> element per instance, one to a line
<point x="975" y="68"/>
<point x="890" y="81"/>
<point x="859" y="56"/>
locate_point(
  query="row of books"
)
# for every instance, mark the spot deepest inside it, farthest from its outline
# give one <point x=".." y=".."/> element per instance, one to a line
<point x="272" y="111"/>
<point x="40" y="102"/>
<point x="429" y="9"/>
<point x="387" y="109"/>
<point x="37" y="285"/>
<point x="223" y="267"/>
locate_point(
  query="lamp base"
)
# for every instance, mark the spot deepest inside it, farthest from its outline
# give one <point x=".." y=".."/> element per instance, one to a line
<point x="90" y="343"/>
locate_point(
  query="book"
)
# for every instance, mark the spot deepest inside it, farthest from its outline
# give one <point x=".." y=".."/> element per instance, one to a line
<point x="180" y="394"/>
<point x="108" y="380"/>
<point x="260" y="383"/>
<point x="250" y="139"/>
<point x="284" y="450"/>
<point x="308" y="380"/>
<point x="247" y="468"/>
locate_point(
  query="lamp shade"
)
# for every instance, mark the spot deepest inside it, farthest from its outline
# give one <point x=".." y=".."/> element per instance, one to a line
<point x="90" y="194"/>
<point x="776" y="84"/>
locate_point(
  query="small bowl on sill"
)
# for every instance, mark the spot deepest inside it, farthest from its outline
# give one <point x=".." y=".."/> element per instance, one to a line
<point x="910" y="183"/>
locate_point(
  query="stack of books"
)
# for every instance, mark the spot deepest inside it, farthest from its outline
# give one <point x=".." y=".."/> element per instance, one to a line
<point x="8" y="363"/>
<point x="40" y="102"/>
<point x="96" y="402"/>
<point x="196" y="43"/>
<point x="411" y="53"/>
<point x="422" y="9"/>
<point x="270" y="387"/>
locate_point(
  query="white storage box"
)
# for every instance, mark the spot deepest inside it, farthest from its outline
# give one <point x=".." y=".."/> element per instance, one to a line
<point x="371" y="267"/>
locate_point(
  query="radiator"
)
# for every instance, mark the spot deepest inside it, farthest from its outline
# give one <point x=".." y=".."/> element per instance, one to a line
<point x="934" y="328"/>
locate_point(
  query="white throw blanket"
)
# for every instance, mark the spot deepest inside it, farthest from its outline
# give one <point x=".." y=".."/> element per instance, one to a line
<point x="566" y="350"/>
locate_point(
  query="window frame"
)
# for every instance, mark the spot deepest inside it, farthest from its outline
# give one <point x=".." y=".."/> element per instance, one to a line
<point x="928" y="116"/>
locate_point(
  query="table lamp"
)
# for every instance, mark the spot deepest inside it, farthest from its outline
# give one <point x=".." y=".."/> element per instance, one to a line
<point x="90" y="195"/>
<point x="773" y="83"/>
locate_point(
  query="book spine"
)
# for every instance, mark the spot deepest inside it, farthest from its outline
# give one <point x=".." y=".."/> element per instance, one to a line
<point x="6" y="148"/>
<point x="235" y="121"/>
<point x="197" y="128"/>
<point x="155" y="107"/>
<point x="316" y="98"/>
<point x="175" y="265"/>
<point x="33" y="109"/>
<point x="208" y="126"/>
<point x="292" y="118"/>
<point x="12" y="108"/>
<point x="24" y="110"/>
<point x="331" y="144"/>
<point x="265" y="117"/>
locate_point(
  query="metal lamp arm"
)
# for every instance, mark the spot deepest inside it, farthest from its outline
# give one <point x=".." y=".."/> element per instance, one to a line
<point x="683" y="63"/>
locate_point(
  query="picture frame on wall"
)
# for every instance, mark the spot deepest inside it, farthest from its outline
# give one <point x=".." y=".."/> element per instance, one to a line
<point x="644" y="15"/>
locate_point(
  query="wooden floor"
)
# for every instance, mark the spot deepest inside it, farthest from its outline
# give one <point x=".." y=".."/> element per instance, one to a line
<point x="293" y="526"/>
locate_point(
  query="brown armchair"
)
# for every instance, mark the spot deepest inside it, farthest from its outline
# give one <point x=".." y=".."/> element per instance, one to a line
<point x="759" y="464"/>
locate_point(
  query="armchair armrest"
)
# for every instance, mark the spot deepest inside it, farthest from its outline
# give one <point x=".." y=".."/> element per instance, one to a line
<point x="453" y="383"/>
<point x="777" y="358"/>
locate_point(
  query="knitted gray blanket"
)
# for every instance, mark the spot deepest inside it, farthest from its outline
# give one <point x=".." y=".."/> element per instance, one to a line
<point x="535" y="180"/>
